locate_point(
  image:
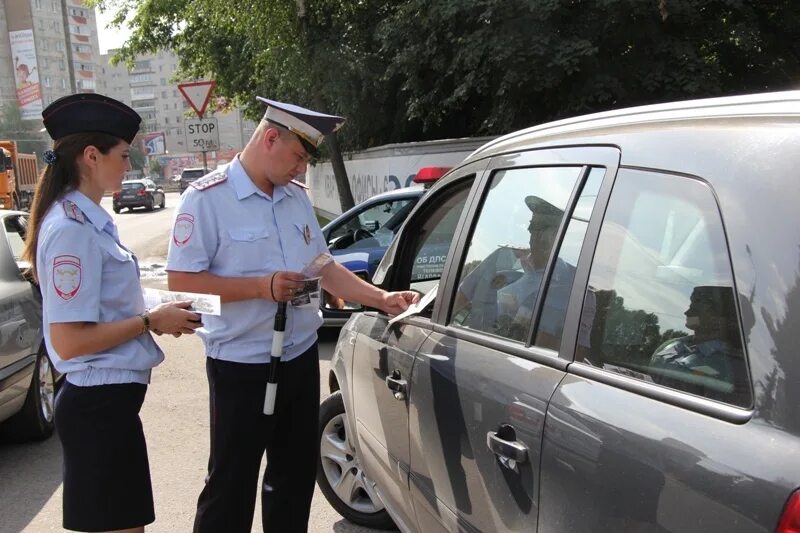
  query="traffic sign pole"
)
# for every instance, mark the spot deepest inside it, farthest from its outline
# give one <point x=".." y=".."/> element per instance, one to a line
<point x="197" y="93"/>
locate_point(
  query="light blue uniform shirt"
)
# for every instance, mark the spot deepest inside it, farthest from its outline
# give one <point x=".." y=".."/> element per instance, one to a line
<point x="233" y="229"/>
<point x="87" y="275"/>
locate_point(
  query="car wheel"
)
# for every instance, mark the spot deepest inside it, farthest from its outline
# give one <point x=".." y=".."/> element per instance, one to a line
<point x="117" y="210"/>
<point x="339" y="473"/>
<point x="35" y="420"/>
<point x="149" y="204"/>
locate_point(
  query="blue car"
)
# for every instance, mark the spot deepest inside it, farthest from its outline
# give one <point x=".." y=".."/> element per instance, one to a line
<point x="359" y="237"/>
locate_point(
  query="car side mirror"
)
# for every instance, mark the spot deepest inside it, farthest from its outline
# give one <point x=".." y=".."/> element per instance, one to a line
<point x="334" y="303"/>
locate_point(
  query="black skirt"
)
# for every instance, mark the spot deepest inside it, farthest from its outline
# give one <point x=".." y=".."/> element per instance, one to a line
<point x="106" y="472"/>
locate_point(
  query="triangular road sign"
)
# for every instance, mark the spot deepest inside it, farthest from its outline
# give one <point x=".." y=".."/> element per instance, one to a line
<point x="197" y="94"/>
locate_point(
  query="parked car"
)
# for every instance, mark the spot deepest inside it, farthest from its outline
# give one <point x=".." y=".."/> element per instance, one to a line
<point x="188" y="175"/>
<point x="139" y="193"/>
<point x="27" y="379"/>
<point x="611" y="343"/>
<point x="359" y="237"/>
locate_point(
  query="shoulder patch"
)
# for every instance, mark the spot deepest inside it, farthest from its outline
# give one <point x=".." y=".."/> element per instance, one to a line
<point x="301" y="185"/>
<point x="73" y="211"/>
<point x="209" y="180"/>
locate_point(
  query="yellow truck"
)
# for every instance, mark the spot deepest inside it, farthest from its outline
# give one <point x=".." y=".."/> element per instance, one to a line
<point x="18" y="175"/>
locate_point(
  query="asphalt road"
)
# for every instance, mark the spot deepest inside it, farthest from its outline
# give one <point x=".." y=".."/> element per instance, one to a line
<point x="175" y="418"/>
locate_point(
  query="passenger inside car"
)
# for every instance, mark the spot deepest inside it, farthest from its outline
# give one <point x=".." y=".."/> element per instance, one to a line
<point x="516" y="300"/>
<point x="704" y="363"/>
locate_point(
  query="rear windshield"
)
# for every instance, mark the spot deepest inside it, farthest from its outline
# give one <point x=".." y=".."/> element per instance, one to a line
<point x="191" y="174"/>
<point x="132" y="186"/>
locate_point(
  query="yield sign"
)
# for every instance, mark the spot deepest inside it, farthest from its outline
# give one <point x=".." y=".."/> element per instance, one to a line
<point x="197" y="94"/>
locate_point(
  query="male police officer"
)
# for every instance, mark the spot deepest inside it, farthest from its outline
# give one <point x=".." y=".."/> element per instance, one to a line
<point x="245" y="232"/>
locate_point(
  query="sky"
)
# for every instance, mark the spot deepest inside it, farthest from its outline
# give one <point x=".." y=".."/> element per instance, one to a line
<point x="109" y="38"/>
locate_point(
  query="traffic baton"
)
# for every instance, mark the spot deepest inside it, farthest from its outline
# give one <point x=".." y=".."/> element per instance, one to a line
<point x="275" y="358"/>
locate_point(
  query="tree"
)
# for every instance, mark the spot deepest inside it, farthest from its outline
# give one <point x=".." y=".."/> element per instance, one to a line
<point x="274" y="51"/>
<point x="409" y="70"/>
<point x="493" y="66"/>
<point x="25" y="132"/>
<point x="137" y="158"/>
<point x="155" y="166"/>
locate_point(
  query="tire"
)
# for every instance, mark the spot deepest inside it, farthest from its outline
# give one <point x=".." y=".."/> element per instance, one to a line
<point x="337" y="462"/>
<point x="148" y="205"/>
<point x="163" y="201"/>
<point x="117" y="210"/>
<point x="35" y="421"/>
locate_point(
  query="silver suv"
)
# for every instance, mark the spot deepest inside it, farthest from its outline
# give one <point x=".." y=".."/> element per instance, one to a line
<point x="611" y="339"/>
<point x="188" y="175"/>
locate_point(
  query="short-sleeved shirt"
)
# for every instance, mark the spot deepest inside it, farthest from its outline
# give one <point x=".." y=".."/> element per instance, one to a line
<point x="234" y="229"/>
<point x="87" y="275"/>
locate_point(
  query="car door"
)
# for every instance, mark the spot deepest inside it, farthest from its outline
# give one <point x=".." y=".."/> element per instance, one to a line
<point x="650" y="431"/>
<point x="383" y="358"/>
<point x="20" y="314"/>
<point x="480" y="389"/>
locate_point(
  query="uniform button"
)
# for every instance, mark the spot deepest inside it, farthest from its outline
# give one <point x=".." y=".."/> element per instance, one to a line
<point x="249" y="235"/>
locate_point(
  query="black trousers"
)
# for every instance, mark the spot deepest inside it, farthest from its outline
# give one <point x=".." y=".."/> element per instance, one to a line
<point x="241" y="433"/>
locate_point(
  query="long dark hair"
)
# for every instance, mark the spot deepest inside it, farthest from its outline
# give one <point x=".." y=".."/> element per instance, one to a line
<point x="56" y="179"/>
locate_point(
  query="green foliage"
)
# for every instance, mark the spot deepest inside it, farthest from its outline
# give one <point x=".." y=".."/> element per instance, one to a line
<point x="25" y="132"/>
<point x="404" y="70"/>
<point x="137" y="158"/>
<point x="155" y="167"/>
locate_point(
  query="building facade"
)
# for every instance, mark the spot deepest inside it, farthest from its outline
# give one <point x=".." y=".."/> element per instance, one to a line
<point x="48" y="49"/>
<point x="150" y="89"/>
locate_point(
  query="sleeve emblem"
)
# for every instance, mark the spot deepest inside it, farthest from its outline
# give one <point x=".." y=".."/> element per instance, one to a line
<point x="184" y="226"/>
<point x="67" y="276"/>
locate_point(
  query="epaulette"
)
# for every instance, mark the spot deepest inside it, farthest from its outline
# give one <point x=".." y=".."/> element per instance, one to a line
<point x="301" y="185"/>
<point x="73" y="211"/>
<point x="209" y="180"/>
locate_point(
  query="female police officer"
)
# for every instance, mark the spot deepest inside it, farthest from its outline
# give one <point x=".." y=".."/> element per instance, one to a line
<point x="96" y="327"/>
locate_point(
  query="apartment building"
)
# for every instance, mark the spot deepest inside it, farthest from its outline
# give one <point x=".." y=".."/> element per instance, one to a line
<point x="48" y="49"/>
<point x="151" y="89"/>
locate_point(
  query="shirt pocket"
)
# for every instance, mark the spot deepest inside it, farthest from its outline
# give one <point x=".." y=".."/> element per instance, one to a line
<point x="309" y="245"/>
<point x="249" y="249"/>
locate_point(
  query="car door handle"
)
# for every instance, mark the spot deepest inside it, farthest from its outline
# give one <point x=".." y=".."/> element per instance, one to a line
<point x="504" y="445"/>
<point x="397" y="385"/>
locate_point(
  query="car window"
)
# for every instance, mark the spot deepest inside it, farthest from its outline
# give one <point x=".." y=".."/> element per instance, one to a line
<point x="551" y="323"/>
<point x="132" y="186"/>
<point x="510" y="248"/>
<point x="192" y="174"/>
<point x="661" y="301"/>
<point x="372" y="228"/>
<point x="435" y="237"/>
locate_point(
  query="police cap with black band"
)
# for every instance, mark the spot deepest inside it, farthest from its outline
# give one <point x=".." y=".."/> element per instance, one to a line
<point x="90" y="112"/>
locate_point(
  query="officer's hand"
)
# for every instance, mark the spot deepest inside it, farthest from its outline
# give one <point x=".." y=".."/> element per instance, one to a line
<point x="282" y="286"/>
<point x="174" y="318"/>
<point x="395" y="303"/>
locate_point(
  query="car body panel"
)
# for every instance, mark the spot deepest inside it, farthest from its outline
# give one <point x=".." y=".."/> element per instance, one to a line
<point x="21" y="337"/>
<point x="616" y="451"/>
<point x="385" y="352"/>
<point x="619" y="461"/>
<point x="462" y="392"/>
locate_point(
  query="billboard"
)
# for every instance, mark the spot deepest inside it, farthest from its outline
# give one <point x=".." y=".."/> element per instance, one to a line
<point x="154" y="143"/>
<point x="23" y="57"/>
